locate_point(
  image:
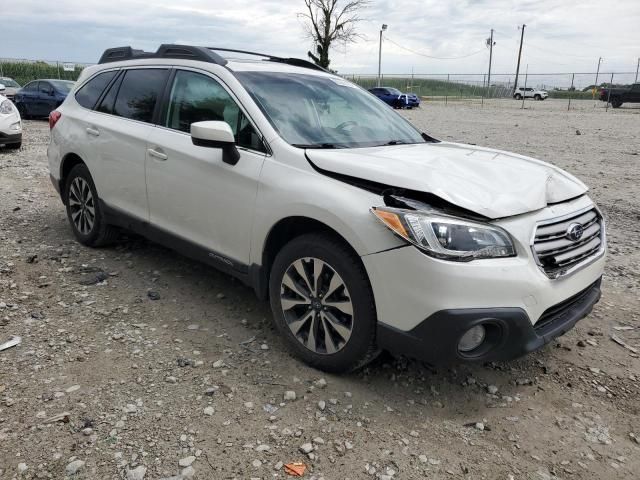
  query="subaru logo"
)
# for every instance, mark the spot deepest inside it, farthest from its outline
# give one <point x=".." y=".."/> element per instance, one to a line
<point x="574" y="232"/>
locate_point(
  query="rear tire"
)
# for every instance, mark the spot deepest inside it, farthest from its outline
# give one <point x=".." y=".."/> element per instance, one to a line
<point x="322" y="303"/>
<point x="84" y="211"/>
<point x="518" y="96"/>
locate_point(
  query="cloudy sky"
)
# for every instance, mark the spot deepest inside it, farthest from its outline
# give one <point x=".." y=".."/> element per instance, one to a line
<point x="561" y="35"/>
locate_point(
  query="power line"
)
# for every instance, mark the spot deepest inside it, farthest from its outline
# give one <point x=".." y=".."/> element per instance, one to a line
<point x="430" y="56"/>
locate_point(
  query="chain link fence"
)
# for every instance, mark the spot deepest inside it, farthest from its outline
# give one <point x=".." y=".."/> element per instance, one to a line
<point x="446" y="88"/>
<point x="23" y="70"/>
<point x="476" y="88"/>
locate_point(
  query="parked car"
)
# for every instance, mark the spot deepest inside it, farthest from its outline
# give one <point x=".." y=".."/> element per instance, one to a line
<point x="10" y="87"/>
<point x="10" y="122"/>
<point x="620" y="95"/>
<point x="364" y="233"/>
<point x="40" y="97"/>
<point x="395" y="97"/>
<point x="529" y="92"/>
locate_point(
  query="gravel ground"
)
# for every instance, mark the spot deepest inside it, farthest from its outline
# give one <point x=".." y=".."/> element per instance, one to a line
<point x="111" y="384"/>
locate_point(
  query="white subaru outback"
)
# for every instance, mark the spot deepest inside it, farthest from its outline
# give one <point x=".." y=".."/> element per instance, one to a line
<point x="365" y="233"/>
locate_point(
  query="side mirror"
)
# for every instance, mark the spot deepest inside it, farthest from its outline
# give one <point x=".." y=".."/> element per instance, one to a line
<point x="2" y="87"/>
<point x="213" y="134"/>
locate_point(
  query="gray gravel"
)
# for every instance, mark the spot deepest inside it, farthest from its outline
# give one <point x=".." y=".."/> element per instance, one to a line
<point x="110" y="384"/>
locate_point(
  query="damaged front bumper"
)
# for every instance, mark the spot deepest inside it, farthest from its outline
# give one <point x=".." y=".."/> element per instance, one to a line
<point x="509" y="331"/>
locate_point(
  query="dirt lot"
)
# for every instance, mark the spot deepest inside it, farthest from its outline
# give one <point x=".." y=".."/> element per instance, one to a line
<point x="192" y="385"/>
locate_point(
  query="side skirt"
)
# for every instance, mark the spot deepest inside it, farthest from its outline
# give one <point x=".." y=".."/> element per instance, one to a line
<point x="248" y="275"/>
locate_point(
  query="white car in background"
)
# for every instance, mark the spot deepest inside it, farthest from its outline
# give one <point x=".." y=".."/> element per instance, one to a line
<point x="529" y="92"/>
<point x="10" y="123"/>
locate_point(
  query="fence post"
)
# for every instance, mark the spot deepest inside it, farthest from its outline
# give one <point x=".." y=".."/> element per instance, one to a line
<point x="573" y="75"/>
<point x="609" y="93"/>
<point x="484" y="81"/>
<point x="1" y="72"/>
<point x="524" y="93"/>
<point x="446" y="91"/>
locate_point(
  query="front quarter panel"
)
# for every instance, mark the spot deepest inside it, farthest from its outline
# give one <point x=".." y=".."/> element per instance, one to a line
<point x="290" y="187"/>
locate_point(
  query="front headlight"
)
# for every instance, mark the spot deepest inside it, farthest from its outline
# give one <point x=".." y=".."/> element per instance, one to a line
<point x="6" y="107"/>
<point x="446" y="237"/>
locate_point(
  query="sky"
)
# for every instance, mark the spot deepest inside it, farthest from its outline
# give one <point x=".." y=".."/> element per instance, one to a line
<point x="560" y="35"/>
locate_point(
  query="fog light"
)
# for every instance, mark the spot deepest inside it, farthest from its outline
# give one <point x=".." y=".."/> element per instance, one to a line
<point x="15" y="126"/>
<point x="472" y="339"/>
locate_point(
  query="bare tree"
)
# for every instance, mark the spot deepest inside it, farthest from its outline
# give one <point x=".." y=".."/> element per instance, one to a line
<point x="331" y="21"/>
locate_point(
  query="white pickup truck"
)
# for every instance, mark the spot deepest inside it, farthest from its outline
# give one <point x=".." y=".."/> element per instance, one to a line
<point x="529" y="92"/>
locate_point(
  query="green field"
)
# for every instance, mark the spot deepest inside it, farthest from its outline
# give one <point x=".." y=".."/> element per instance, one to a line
<point x="427" y="87"/>
<point x="24" y="72"/>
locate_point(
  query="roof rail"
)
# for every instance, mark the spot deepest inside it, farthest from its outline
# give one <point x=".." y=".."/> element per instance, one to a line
<point x="185" y="52"/>
<point x="297" y="62"/>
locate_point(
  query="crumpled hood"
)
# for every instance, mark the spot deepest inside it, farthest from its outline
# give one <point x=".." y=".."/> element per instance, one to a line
<point x="489" y="182"/>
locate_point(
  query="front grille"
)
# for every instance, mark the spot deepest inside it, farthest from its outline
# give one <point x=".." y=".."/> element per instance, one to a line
<point x="557" y="253"/>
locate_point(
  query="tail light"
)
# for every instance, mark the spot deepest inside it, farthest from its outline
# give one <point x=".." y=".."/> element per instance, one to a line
<point x="53" y="118"/>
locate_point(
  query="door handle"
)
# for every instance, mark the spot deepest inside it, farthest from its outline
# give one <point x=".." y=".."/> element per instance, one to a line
<point x="93" y="131"/>
<point x="157" y="154"/>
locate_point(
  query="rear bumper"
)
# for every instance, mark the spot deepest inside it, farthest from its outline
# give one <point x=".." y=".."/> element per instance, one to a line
<point x="510" y="333"/>
<point x="56" y="183"/>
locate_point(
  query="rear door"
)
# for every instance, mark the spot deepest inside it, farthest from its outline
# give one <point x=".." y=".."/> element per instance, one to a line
<point x="29" y="97"/>
<point x="118" y="129"/>
<point x="192" y="193"/>
<point x="45" y="94"/>
<point x="47" y="98"/>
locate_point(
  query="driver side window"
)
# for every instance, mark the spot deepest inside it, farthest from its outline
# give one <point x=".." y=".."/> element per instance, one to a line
<point x="195" y="98"/>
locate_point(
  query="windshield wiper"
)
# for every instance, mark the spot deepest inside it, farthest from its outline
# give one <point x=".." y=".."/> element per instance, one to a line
<point x="317" y="145"/>
<point x="393" y="142"/>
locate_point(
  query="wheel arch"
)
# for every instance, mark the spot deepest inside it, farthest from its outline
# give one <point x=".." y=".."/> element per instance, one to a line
<point x="69" y="161"/>
<point x="285" y="230"/>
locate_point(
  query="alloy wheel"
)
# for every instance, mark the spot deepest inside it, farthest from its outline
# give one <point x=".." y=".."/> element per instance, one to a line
<point x="81" y="205"/>
<point x="317" y="306"/>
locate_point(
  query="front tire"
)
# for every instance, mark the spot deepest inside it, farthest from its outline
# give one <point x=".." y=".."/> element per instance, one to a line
<point x="616" y="102"/>
<point x="84" y="211"/>
<point x="14" y="146"/>
<point x="322" y="303"/>
<point x="537" y="97"/>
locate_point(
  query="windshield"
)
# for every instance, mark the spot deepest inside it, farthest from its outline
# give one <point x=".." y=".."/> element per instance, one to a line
<point x="326" y="112"/>
<point x="63" y="86"/>
<point x="9" y="82"/>
<point x="394" y="91"/>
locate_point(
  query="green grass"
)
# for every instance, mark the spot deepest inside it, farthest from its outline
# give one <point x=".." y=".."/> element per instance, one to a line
<point x="427" y="87"/>
<point x="23" y="72"/>
<point x="434" y="87"/>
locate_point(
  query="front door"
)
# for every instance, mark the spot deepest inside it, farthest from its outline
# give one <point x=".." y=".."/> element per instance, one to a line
<point x="192" y="193"/>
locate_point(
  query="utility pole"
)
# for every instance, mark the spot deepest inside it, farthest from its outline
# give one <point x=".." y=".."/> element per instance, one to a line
<point x="384" y="27"/>
<point x="637" y="68"/>
<point x="515" y="85"/>
<point x="490" y="43"/>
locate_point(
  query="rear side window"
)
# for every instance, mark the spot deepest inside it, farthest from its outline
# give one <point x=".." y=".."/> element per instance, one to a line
<point x="139" y="92"/>
<point x="88" y="95"/>
<point x="109" y="100"/>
